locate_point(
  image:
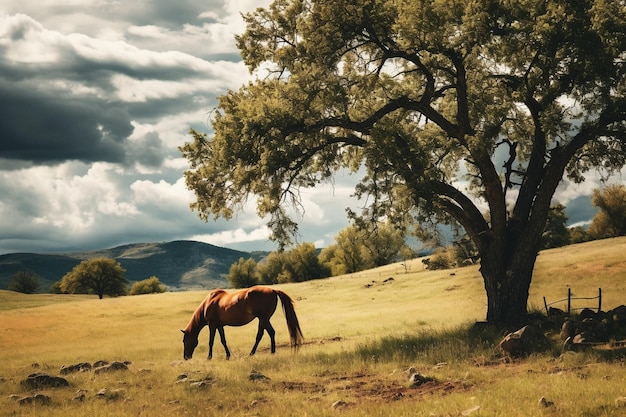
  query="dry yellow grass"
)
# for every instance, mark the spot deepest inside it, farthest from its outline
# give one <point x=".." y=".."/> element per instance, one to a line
<point x="338" y="316"/>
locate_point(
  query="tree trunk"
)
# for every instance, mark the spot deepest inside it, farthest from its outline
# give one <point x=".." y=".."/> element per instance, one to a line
<point x="507" y="282"/>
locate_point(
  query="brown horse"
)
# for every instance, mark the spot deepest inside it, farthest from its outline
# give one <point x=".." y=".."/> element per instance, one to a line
<point x="221" y="308"/>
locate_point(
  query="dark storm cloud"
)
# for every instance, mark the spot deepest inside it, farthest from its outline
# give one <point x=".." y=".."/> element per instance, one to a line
<point x="580" y="210"/>
<point x="42" y="127"/>
<point x="149" y="152"/>
<point x="73" y="97"/>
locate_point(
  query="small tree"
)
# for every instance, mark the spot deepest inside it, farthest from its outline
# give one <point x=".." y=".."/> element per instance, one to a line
<point x="578" y="234"/>
<point x="24" y="281"/>
<point x="610" y="221"/>
<point x="243" y="274"/>
<point x="103" y="276"/>
<point x="303" y="264"/>
<point x="151" y="285"/>
<point x="363" y="246"/>
<point x="269" y="270"/>
<point x="555" y="234"/>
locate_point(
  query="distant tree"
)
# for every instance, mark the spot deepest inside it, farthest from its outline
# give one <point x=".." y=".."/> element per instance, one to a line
<point x="348" y="255"/>
<point x="555" y="233"/>
<point x="303" y="264"/>
<point x="363" y="246"/>
<point x="24" y="281"/>
<point x="103" y="276"/>
<point x="610" y="221"/>
<point x="243" y="274"/>
<point x="151" y="285"/>
<point x="578" y="234"/>
<point x="332" y="257"/>
<point x="271" y="268"/>
<point x="442" y="258"/>
<point x="55" y="288"/>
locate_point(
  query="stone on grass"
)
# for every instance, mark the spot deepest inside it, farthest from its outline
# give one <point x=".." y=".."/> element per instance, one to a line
<point x="41" y="380"/>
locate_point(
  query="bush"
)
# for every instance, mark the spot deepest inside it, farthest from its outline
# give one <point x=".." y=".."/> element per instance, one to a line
<point x="151" y="285"/>
<point x="441" y="259"/>
<point x="25" y="282"/>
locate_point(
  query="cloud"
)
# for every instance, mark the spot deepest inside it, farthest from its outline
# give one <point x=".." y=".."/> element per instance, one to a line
<point x="73" y="97"/>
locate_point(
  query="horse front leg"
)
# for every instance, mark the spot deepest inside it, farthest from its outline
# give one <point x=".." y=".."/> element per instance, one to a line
<point x="211" y="340"/>
<point x="223" y="339"/>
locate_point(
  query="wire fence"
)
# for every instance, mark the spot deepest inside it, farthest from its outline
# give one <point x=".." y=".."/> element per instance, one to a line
<point x="569" y="300"/>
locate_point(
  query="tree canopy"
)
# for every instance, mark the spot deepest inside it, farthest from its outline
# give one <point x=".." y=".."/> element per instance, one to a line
<point x="610" y="221"/>
<point x="360" y="248"/>
<point x="103" y="276"/>
<point x="24" y="281"/>
<point x="460" y="112"/>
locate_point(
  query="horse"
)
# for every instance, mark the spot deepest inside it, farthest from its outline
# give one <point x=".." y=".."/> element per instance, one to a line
<point x="238" y="308"/>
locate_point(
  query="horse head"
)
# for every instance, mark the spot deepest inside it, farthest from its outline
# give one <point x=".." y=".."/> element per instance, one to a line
<point x="189" y="344"/>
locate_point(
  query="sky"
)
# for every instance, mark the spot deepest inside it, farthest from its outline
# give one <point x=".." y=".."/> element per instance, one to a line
<point x="96" y="96"/>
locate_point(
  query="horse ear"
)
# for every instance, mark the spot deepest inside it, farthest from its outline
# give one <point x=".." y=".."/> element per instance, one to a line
<point x="184" y="332"/>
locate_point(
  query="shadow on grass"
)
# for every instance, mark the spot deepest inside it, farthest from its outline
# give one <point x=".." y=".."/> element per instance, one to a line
<point x="434" y="346"/>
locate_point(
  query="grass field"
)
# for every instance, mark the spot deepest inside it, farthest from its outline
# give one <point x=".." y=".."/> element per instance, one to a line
<point x="364" y="333"/>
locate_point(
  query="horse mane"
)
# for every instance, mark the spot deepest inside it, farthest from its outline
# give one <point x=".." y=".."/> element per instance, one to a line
<point x="198" y="318"/>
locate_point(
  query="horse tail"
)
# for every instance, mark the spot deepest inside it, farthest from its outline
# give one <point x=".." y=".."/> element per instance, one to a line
<point x="295" y="334"/>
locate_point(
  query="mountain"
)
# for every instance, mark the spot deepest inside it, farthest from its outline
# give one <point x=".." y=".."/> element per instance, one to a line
<point x="179" y="264"/>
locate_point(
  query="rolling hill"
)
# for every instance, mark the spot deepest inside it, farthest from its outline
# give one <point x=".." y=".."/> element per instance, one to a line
<point x="180" y="265"/>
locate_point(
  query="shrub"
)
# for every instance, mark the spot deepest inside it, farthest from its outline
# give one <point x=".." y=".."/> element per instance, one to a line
<point x="25" y="282"/>
<point x="151" y="285"/>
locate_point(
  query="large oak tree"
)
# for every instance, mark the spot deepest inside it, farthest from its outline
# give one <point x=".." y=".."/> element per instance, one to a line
<point x="465" y="111"/>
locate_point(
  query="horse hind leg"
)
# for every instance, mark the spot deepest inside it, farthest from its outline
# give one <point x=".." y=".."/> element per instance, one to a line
<point x="272" y="333"/>
<point x="264" y="325"/>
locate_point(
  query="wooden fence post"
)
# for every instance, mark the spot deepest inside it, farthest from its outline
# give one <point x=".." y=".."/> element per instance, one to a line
<point x="569" y="301"/>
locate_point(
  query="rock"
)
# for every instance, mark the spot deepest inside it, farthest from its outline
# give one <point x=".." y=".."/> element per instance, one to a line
<point x="524" y="341"/>
<point x="568" y="329"/>
<point x="80" y="395"/>
<point x="201" y="384"/>
<point x="37" y="398"/>
<point x="593" y="330"/>
<point x="587" y="313"/>
<point x="107" y="394"/>
<point x="41" y="380"/>
<point x="68" y="369"/>
<point x="339" y="404"/>
<point x="418" y="379"/>
<point x="555" y="312"/>
<point x="618" y="315"/>
<point x="114" y="366"/>
<point x="545" y="403"/>
<point x="257" y="376"/>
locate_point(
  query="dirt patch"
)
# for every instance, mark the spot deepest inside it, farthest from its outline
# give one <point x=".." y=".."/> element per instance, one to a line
<point x="372" y="387"/>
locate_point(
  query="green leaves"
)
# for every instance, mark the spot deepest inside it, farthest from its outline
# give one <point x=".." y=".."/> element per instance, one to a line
<point x="423" y="95"/>
<point x="103" y="276"/>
